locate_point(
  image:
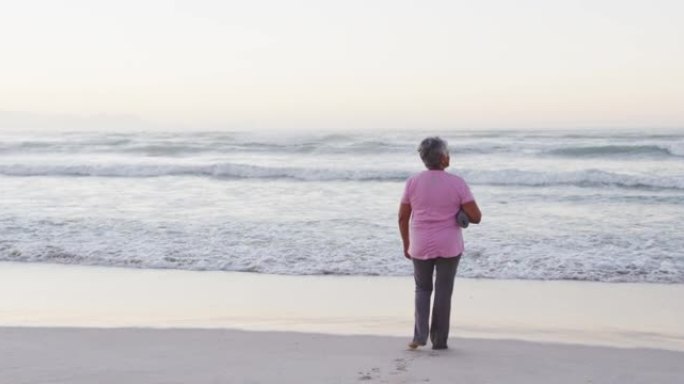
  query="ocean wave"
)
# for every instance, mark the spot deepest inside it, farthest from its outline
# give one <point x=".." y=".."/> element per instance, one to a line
<point x="615" y="150"/>
<point x="184" y="145"/>
<point x="584" y="178"/>
<point x="190" y="147"/>
<point x="548" y="261"/>
<point x="507" y="177"/>
<point x="218" y="170"/>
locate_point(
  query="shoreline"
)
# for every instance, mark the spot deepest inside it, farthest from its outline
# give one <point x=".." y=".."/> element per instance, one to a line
<point x="331" y="275"/>
<point x="630" y="315"/>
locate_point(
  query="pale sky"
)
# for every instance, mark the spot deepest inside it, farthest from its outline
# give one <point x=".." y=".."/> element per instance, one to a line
<point x="346" y="64"/>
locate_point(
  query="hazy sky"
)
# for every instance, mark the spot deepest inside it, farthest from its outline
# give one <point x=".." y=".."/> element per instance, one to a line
<point x="357" y="64"/>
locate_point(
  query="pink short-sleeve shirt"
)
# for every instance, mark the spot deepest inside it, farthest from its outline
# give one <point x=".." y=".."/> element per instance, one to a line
<point x="435" y="198"/>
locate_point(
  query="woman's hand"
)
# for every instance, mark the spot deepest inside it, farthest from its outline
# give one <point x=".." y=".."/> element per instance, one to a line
<point x="472" y="211"/>
<point x="404" y="218"/>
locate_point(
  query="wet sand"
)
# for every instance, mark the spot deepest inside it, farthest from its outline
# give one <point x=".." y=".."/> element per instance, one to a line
<point x="76" y="324"/>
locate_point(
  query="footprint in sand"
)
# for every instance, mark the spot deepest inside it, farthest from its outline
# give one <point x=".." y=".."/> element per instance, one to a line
<point x="368" y="375"/>
<point x="400" y="364"/>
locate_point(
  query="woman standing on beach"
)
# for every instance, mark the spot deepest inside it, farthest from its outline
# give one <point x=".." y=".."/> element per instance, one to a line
<point x="432" y="239"/>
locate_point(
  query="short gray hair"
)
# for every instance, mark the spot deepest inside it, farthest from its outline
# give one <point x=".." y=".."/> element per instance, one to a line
<point x="431" y="150"/>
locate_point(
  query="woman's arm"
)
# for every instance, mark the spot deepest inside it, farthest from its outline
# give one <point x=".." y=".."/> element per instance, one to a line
<point x="404" y="217"/>
<point x="473" y="211"/>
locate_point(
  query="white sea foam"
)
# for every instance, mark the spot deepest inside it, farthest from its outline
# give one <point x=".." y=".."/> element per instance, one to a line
<point x="342" y="248"/>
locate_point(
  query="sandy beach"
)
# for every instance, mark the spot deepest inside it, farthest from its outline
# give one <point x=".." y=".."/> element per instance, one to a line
<point x="76" y="324"/>
<point x="77" y="355"/>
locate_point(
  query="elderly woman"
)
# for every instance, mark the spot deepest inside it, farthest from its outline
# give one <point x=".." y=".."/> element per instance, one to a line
<point x="433" y="239"/>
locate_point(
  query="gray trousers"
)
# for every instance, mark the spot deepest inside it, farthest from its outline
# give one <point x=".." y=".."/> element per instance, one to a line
<point x="441" y="309"/>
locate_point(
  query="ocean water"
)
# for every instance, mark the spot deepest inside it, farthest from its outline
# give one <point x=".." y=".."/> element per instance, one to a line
<point x="600" y="206"/>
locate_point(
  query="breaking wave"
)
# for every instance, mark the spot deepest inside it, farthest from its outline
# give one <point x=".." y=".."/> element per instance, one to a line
<point x="512" y="177"/>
